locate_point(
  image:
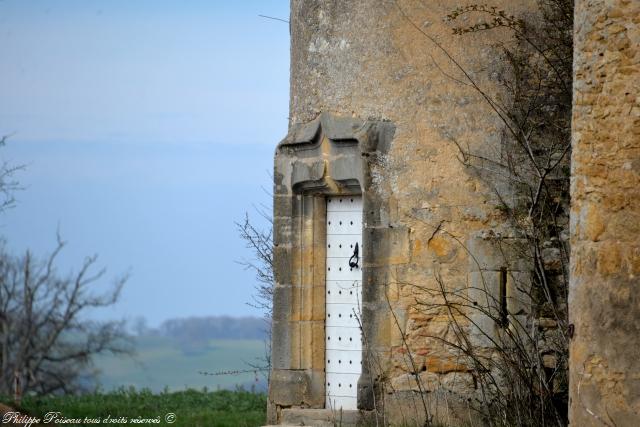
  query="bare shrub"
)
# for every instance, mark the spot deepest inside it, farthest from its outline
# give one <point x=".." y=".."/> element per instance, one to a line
<point x="260" y="242"/>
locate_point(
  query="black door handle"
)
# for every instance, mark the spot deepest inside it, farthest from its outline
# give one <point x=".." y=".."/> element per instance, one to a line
<point x="352" y="263"/>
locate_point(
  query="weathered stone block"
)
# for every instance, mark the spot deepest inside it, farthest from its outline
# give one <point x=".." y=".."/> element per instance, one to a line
<point x="325" y="418"/>
<point x="375" y="281"/>
<point x="282" y="268"/>
<point x="280" y="344"/>
<point x="387" y="245"/>
<point x="288" y="387"/>
<point x="307" y="171"/>
<point x="345" y="168"/>
<point x="282" y="206"/>
<point x="282" y="231"/>
<point x="282" y="295"/>
<point x="494" y="254"/>
<point x="444" y="248"/>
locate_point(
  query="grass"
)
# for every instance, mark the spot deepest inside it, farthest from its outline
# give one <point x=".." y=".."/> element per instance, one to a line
<point x="162" y="363"/>
<point x="164" y="378"/>
<point x="192" y="408"/>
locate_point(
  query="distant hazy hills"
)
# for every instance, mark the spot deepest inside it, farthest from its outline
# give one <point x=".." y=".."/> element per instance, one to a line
<point x="192" y="329"/>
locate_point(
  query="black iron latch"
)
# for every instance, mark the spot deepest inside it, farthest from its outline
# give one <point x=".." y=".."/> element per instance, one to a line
<point x="353" y="261"/>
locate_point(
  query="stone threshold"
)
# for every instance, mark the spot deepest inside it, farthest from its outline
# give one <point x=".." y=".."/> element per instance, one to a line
<point x="324" y="418"/>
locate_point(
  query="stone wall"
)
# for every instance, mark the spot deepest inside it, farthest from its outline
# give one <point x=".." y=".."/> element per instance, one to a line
<point x="605" y="257"/>
<point x="430" y="224"/>
<point x="378" y="109"/>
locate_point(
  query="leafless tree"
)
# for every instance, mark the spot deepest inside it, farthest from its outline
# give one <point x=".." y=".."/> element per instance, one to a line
<point x="46" y="341"/>
<point x="8" y="183"/>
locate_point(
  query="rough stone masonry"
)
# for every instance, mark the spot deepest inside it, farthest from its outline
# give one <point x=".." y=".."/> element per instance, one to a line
<point x="604" y="297"/>
<point x="376" y="110"/>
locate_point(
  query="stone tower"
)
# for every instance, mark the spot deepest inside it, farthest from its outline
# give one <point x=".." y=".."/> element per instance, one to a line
<point x="375" y="113"/>
<point x="604" y="298"/>
<point x="377" y="218"/>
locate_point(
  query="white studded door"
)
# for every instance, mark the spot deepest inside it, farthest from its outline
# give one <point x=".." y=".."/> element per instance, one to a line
<point x="343" y="358"/>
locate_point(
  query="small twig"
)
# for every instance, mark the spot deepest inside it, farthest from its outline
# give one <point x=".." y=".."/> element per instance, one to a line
<point x="275" y="19"/>
<point x="235" y="371"/>
<point x="435" y="232"/>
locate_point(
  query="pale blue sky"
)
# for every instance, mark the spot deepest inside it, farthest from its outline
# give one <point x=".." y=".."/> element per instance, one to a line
<point x="148" y="128"/>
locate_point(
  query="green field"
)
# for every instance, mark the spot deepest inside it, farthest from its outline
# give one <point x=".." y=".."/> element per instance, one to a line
<point x="188" y="408"/>
<point x="164" y="377"/>
<point x="164" y="363"/>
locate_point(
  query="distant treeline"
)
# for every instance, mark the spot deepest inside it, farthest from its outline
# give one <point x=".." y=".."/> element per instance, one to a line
<point x="193" y="329"/>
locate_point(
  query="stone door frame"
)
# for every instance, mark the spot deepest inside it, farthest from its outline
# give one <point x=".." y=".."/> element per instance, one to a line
<point x="330" y="156"/>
